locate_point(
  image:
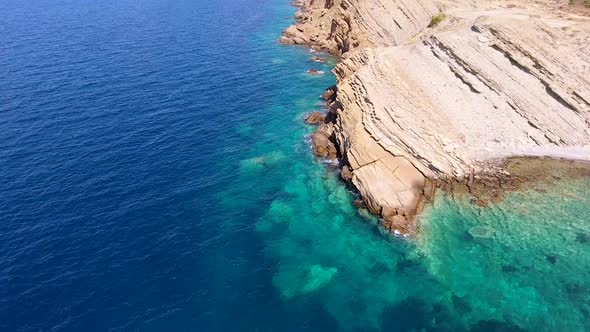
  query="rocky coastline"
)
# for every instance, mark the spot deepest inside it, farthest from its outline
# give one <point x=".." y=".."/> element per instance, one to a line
<point x="450" y="95"/>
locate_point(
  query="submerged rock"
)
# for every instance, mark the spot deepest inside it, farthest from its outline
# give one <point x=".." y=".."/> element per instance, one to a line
<point x="359" y="204"/>
<point x="482" y="232"/>
<point x="252" y="165"/>
<point x="551" y="259"/>
<point x="583" y="238"/>
<point x="258" y="163"/>
<point x="461" y="304"/>
<point x="318" y="59"/>
<point x="496" y="326"/>
<point x="315" y="72"/>
<point x="509" y="269"/>
<point x="300" y="280"/>
<point x="318" y="277"/>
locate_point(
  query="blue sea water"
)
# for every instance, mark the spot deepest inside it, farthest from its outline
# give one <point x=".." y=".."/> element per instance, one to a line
<point x="156" y="176"/>
<point x="121" y="121"/>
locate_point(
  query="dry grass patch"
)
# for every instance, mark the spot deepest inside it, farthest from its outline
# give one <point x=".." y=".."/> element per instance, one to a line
<point x="436" y="19"/>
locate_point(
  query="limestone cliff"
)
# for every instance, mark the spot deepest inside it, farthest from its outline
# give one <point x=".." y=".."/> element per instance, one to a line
<point x="494" y="79"/>
<point x="340" y="26"/>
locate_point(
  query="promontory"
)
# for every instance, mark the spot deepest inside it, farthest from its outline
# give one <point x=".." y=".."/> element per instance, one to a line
<point x="433" y="90"/>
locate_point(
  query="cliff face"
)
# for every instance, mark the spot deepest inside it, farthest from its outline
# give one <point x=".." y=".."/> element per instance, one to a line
<point x="492" y="80"/>
<point x="340" y="26"/>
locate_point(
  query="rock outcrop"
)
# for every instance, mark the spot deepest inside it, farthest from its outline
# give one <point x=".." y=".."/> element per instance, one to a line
<point x="340" y="26"/>
<point x="314" y="118"/>
<point x="415" y="104"/>
<point x="322" y="142"/>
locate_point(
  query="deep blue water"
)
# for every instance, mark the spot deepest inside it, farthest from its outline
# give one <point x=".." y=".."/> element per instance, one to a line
<point x="118" y="129"/>
<point x="156" y="176"/>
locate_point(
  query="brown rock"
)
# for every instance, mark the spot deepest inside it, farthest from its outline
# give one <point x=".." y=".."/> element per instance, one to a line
<point x="315" y="72"/>
<point x="479" y="202"/>
<point x="322" y="144"/>
<point x="330" y="94"/>
<point x="314" y="118"/>
<point x="286" y="40"/>
<point x="292" y="31"/>
<point x="294" y="35"/>
<point x="360" y="204"/>
<point x="399" y="225"/>
<point x="429" y="190"/>
<point x="346" y="173"/>
<point x="318" y="59"/>
<point x="299" y="41"/>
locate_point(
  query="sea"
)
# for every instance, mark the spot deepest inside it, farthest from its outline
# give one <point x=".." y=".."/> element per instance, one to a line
<point x="155" y="175"/>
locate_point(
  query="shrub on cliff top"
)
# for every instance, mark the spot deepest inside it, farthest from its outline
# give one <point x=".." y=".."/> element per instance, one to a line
<point x="436" y="19"/>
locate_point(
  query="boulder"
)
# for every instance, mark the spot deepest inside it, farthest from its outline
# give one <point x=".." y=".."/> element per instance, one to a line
<point x="318" y="59"/>
<point x="322" y="142"/>
<point x="314" y="118"/>
<point x="330" y="94"/>
<point x="346" y="174"/>
<point x="315" y="72"/>
<point x="298" y="41"/>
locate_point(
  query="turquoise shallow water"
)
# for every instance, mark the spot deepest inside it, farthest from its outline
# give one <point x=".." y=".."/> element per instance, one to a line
<point x="522" y="264"/>
<point x="525" y="260"/>
<point x="157" y="177"/>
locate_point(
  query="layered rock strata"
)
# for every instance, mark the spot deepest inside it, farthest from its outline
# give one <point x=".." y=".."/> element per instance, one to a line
<point x="415" y="106"/>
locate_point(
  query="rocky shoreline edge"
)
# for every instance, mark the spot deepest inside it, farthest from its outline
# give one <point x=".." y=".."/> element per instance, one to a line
<point x="483" y="188"/>
<point x="487" y="183"/>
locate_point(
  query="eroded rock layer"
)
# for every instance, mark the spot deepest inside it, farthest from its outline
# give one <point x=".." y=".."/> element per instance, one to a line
<point x="415" y="103"/>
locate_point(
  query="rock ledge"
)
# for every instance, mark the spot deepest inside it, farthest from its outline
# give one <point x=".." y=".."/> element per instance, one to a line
<point x="418" y="107"/>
